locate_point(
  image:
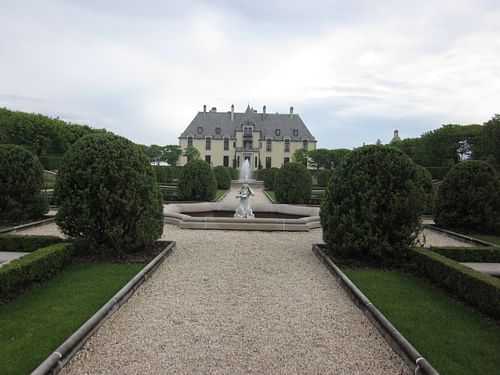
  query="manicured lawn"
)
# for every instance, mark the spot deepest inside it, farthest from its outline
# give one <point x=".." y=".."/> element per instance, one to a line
<point x="219" y="194"/>
<point x="271" y="195"/>
<point x="493" y="239"/>
<point x="35" y="324"/>
<point x="453" y="337"/>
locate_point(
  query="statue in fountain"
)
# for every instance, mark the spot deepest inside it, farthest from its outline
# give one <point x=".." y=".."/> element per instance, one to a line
<point x="244" y="210"/>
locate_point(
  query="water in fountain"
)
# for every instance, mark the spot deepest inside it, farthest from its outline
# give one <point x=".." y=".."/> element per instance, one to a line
<point x="245" y="171"/>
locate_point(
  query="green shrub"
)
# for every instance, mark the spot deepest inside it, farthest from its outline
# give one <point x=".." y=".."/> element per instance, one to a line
<point x="197" y="181"/>
<point x="223" y="177"/>
<point x="36" y="266"/>
<point x="373" y="206"/>
<point x="324" y="176"/>
<point x="479" y="289"/>
<point x="268" y="176"/>
<point x="470" y="254"/>
<point x="21" y="179"/>
<point x="50" y="163"/>
<point x="9" y="242"/>
<point x="438" y="173"/>
<point x="173" y="173"/>
<point x="234" y="173"/>
<point x="161" y="174"/>
<point x="108" y="196"/>
<point x="469" y="198"/>
<point x="428" y="189"/>
<point x="292" y="183"/>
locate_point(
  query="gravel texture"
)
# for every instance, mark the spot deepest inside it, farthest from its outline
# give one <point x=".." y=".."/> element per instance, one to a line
<point x="231" y="302"/>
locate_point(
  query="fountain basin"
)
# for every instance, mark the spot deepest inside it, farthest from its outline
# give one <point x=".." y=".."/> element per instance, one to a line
<point x="287" y="217"/>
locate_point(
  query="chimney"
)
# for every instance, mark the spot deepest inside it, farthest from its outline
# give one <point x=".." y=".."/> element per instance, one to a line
<point x="204" y="108"/>
<point x="232" y="112"/>
<point x="214" y="109"/>
<point x="291" y="112"/>
<point x="264" y="112"/>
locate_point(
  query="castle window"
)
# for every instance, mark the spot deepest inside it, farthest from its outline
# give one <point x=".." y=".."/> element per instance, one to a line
<point x="208" y="159"/>
<point x="190" y="141"/>
<point x="277" y="132"/>
<point x="225" y="161"/>
<point x="295" y="132"/>
<point x="226" y="144"/>
<point x="286" y="160"/>
<point x="269" y="144"/>
<point x="247" y="131"/>
<point x="268" y="162"/>
<point x="217" y="131"/>
<point x="287" y="145"/>
<point x="208" y="143"/>
<point x="305" y="144"/>
<point x="200" y="129"/>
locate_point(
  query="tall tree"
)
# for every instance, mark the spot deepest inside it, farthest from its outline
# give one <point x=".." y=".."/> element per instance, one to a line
<point x="301" y="156"/>
<point x="320" y="158"/>
<point x="191" y="153"/>
<point x="171" y="154"/>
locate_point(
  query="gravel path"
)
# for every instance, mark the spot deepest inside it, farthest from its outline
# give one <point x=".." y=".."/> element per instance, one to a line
<point x="231" y="302"/>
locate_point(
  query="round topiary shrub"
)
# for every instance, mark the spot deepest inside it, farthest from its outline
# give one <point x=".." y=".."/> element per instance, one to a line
<point x="429" y="191"/>
<point x="293" y="183"/>
<point x="21" y="181"/>
<point x="197" y="181"/>
<point x="234" y="173"/>
<point x="108" y="196"/>
<point x="469" y="198"/>
<point x="223" y="177"/>
<point x="323" y="177"/>
<point x="373" y="206"/>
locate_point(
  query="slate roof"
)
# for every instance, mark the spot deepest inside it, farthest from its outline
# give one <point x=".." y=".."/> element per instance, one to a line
<point x="266" y="124"/>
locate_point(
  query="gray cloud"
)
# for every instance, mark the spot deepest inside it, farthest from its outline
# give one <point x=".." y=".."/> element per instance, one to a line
<point x="353" y="70"/>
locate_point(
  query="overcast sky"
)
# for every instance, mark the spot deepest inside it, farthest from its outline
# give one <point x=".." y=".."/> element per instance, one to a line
<point x="354" y="70"/>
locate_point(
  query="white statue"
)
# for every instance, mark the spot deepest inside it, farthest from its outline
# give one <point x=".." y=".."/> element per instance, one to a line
<point x="244" y="210"/>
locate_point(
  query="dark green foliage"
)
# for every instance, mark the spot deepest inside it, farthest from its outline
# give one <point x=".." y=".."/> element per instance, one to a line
<point x="292" y="183"/>
<point x="268" y="176"/>
<point x="161" y="174"/>
<point x="21" y="179"/>
<point x="470" y="254"/>
<point x="373" y="206"/>
<point x="108" y="196"/>
<point x="323" y="177"/>
<point x="36" y="266"/>
<point x="469" y="198"/>
<point x="197" y="181"/>
<point x="429" y="192"/>
<point x="488" y="145"/>
<point x="438" y="173"/>
<point x="223" y="177"/>
<point x="479" y="289"/>
<point x="42" y="135"/>
<point x="50" y="163"/>
<point x="234" y="173"/>
<point x="170" y="192"/>
<point x="9" y="242"/>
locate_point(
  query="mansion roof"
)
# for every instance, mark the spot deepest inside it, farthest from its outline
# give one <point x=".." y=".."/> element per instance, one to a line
<point x="225" y="124"/>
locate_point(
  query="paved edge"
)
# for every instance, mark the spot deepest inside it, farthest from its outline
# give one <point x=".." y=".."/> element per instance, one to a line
<point x="58" y="359"/>
<point x="459" y="236"/>
<point x="394" y="338"/>
<point x="28" y="225"/>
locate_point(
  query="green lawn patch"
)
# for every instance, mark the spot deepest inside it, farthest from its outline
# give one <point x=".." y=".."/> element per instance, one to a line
<point x="271" y="195"/>
<point x="453" y="337"/>
<point x="488" y="238"/>
<point x="36" y="323"/>
<point x="219" y="194"/>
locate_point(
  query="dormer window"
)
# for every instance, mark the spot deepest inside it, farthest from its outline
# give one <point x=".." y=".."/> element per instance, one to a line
<point x="200" y="129"/>
<point x="277" y="132"/>
<point x="247" y="131"/>
<point x="217" y="131"/>
<point x="295" y="132"/>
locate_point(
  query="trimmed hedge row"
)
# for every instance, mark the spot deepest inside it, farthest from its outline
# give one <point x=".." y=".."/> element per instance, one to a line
<point x="26" y="244"/>
<point x="37" y="266"/>
<point x="481" y="290"/>
<point x="470" y="254"/>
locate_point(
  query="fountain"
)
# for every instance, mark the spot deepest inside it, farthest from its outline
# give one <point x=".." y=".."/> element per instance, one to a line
<point x="244" y="210"/>
<point x="245" y="171"/>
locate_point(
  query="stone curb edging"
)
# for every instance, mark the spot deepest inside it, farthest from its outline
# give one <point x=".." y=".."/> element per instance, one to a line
<point x="458" y="236"/>
<point x="28" y="225"/>
<point x="222" y="196"/>
<point x="395" y="339"/>
<point x="56" y="361"/>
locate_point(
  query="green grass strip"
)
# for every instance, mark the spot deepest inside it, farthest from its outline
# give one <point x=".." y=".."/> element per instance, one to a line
<point x="271" y="195"/>
<point x="35" y="324"/>
<point x="488" y="238"/>
<point x="455" y="339"/>
<point x="219" y="194"/>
